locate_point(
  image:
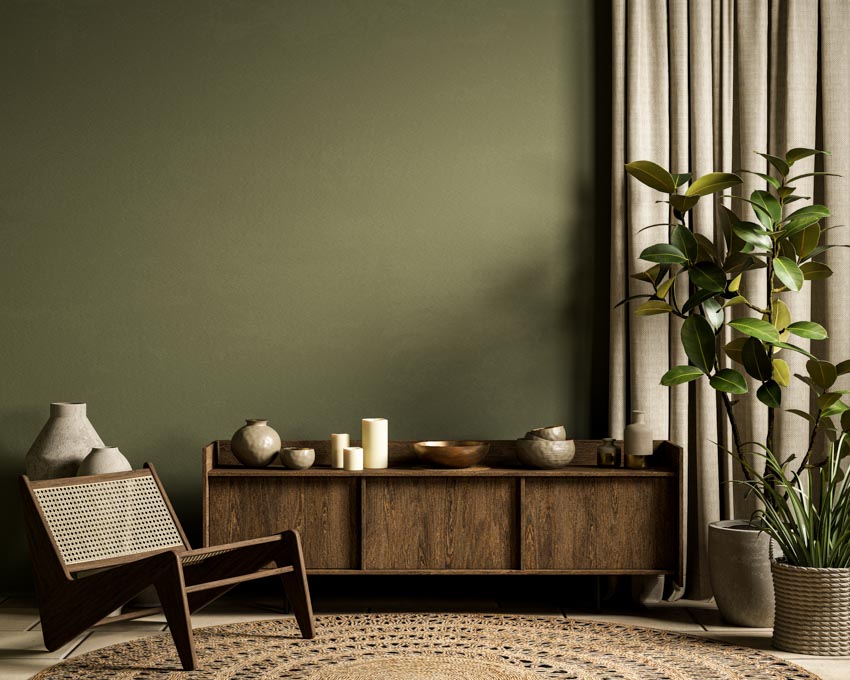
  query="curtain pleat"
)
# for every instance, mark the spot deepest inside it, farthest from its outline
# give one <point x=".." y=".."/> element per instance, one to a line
<point x="699" y="86"/>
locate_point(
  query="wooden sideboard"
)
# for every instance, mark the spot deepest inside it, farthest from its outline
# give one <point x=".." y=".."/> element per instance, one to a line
<point x="500" y="519"/>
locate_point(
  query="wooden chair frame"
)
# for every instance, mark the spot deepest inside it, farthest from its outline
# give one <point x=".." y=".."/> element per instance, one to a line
<point x="186" y="580"/>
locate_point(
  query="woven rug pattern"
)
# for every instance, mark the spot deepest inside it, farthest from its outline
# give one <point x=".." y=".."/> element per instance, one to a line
<point x="432" y="647"/>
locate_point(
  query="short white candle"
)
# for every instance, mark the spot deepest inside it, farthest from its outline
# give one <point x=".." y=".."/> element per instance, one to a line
<point x="375" y="443"/>
<point x="338" y="443"/>
<point x="353" y="458"/>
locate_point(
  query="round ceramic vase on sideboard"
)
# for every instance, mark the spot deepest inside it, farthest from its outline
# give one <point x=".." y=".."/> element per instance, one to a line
<point x="66" y="438"/>
<point x="255" y="444"/>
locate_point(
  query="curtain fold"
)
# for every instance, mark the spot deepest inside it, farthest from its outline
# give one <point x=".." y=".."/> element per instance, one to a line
<point x="699" y="86"/>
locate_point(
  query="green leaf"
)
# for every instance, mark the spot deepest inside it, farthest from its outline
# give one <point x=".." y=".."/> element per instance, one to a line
<point x="734" y="349"/>
<point x="798" y="153"/>
<point x="699" y="342"/>
<point x="756" y="360"/>
<point x="802" y="414"/>
<point x="712" y="183"/>
<point x="786" y="249"/>
<point x="683" y="203"/>
<point x="797" y="224"/>
<point x="750" y="232"/>
<point x="770" y="394"/>
<point x="684" y="240"/>
<point x="845" y="421"/>
<point x="713" y="313"/>
<point x="788" y="272"/>
<point x="737" y="300"/>
<point x="653" y="175"/>
<point x="843" y="367"/>
<point x="769" y="203"/>
<point x="778" y="163"/>
<point x="806" y="240"/>
<point x="808" y="329"/>
<point x="756" y="328"/>
<point x="663" y="253"/>
<point x="653" y="275"/>
<point x="781" y="316"/>
<point x="813" y="174"/>
<point x="823" y="373"/>
<point x="827" y="399"/>
<point x="817" y="210"/>
<point x="681" y="374"/>
<point x="729" y="380"/>
<point x="735" y="283"/>
<point x="815" y="270"/>
<point x="708" y="276"/>
<point x="696" y="300"/>
<point x="781" y="372"/>
<point x="835" y="409"/>
<point x="772" y="181"/>
<point x="707" y="249"/>
<point x="651" y="307"/>
<point x="630" y="298"/>
<point x="793" y="348"/>
<point x="664" y="288"/>
<point x="681" y="178"/>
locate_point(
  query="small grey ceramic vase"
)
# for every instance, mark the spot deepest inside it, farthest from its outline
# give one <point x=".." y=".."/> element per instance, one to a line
<point x="637" y="442"/>
<point x="255" y="444"/>
<point x="104" y="460"/>
<point x="66" y="438"/>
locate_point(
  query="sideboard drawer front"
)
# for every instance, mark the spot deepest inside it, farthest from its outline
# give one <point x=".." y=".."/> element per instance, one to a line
<point x="433" y="523"/>
<point x="608" y="524"/>
<point x="323" y="510"/>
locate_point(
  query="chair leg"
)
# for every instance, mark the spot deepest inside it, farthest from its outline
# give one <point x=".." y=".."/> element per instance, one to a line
<point x="295" y="582"/>
<point x="172" y="595"/>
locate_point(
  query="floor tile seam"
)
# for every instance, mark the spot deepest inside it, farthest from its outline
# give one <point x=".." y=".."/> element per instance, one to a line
<point x="85" y="637"/>
<point x="695" y="618"/>
<point x="34" y="625"/>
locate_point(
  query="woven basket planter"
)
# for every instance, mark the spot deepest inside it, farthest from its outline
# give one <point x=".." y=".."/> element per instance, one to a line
<point x="812" y="609"/>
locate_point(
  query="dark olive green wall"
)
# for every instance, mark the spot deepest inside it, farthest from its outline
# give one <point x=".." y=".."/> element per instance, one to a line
<point x="306" y="211"/>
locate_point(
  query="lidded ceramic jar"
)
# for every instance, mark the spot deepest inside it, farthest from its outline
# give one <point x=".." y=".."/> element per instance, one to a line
<point x="255" y="444"/>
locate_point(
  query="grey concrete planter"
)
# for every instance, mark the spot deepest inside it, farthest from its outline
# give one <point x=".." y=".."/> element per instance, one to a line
<point x="740" y="573"/>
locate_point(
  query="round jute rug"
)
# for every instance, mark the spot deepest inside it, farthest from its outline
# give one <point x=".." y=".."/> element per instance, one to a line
<point x="432" y="647"/>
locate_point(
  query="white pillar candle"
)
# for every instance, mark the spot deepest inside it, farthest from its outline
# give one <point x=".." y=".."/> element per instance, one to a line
<point x="353" y="458"/>
<point x="375" y="443"/>
<point x="338" y="443"/>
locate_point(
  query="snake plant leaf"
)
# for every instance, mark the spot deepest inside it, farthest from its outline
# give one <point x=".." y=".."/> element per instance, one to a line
<point x="781" y="372"/>
<point x="781" y="315"/>
<point x="699" y="342"/>
<point x="823" y="373"/>
<point x="815" y="270"/>
<point x="652" y="175"/>
<point x="729" y="380"/>
<point x="684" y="240"/>
<point x="770" y="205"/>
<point x="756" y="360"/>
<point x="752" y="233"/>
<point x="734" y="349"/>
<point x="714" y="313"/>
<point x="681" y="374"/>
<point x="788" y="272"/>
<point x="843" y="367"/>
<point x="799" y="153"/>
<point x="778" y="163"/>
<point x="663" y="253"/>
<point x="770" y="394"/>
<point x="802" y="414"/>
<point x="651" y="307"/>
<point x="708" y="276"/>
<point x="683" y="203"/>
<point x="712" y="183"/>
<point x="809" y="330"/>
<point x="756" y="328"/>
<point x="806" y="240"/>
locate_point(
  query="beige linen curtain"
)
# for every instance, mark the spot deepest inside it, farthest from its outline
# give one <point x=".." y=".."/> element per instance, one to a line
<point x="699" y="86"/>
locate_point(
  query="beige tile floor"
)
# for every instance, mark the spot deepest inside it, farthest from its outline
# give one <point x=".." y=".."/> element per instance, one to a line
<point x="22" y="653"/>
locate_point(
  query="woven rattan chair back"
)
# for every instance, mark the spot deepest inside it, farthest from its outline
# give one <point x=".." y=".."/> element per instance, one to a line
<point x="92" y="521"/>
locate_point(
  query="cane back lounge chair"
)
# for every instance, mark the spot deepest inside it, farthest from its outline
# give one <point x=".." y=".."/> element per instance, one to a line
<point x="123" y="526"/>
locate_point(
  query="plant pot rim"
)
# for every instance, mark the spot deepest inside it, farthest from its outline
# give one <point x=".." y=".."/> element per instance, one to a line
<point x="734" y="525"/>
<point x="782" y="563"/>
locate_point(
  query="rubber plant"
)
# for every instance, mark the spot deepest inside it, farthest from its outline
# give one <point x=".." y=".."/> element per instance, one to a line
<point x="775" y="237"/>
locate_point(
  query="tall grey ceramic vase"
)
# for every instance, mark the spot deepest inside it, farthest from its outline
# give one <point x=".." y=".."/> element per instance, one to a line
<point x="66" y="438"/>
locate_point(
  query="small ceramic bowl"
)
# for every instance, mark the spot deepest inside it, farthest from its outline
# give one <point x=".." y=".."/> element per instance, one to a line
<point x="453" y="454"/>
<point x="554" y="433"/>
<point x="296" y="458"/>
<point x="548" y="455"/>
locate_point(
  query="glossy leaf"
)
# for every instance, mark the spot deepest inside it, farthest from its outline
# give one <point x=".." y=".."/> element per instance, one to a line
<point x="798" y="153"/>
<point x="793" y="348"/>
<point x="770" y="394"/>
<point x="834" y="409"/>
<point x="802" y="414"/>
<point x="630" y="298"/>
<point x="756" y="360"/>
<point x="822" y="373"/>
<point x="696" y="300"/>
<point x="778" y="163"/>
<point x="813" y="174"/>
<point x="712" y="183"/>
<point x="820" y="211"/>
<point x="827" y="399"/>
<point x="756" y="328"/>
<point x="797" y="224"/>
<point x="750" y="232"/>
<point x="729" y="380"/>
<point x="714" y="313"/>
<point x="806" y="240"/>
<point x="663" y="253"/>
<point x="652" y="175"/>
<point x="684" y="240"/>
<point x="737" y="300"/>
<point x="681" y="178"/>
<point x="772" y="181"/>
<point x="781" y="372"/>
<point x="683" y="203"/>
<point x="651" y="307"/>
<point x="734" y="349"/>
<point x="788" y="272"/>
<point x="707" y="249"/>
<point x="735" y="283"/>
<point x="809" y="330"/>
<point x="815" y="270"/>
<point x="843" y="367"/>
<point x="708" y="276"/>
<point x="699" y="342"/>
<point x="781" y="315"/>
<point x="769" y="203"/>
<point x="681" y="374"/>
<point x="664" y="288"/>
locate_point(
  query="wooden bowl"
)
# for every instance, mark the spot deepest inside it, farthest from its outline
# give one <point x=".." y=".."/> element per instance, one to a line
<point x="548" y="455"/>
<point x="453" y="454"/>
